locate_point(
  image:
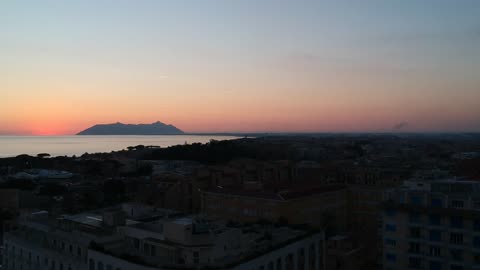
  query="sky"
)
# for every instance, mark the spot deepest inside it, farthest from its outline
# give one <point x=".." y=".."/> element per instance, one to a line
<point x="240" y="66"/>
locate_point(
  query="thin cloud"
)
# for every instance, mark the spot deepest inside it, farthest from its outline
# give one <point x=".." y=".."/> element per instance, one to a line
<point x="400" y="126"/>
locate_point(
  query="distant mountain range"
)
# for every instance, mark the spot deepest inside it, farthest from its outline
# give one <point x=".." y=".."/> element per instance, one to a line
<point x="157" y="128"/>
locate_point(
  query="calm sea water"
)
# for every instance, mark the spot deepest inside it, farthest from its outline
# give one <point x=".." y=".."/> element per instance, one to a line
<point x="77" y="145"/>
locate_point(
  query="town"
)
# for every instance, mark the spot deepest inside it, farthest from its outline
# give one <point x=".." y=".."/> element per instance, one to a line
<point x="331" y="201"/>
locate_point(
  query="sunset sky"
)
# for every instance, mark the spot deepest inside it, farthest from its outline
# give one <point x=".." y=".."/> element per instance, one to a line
<point x="249" y="65"/>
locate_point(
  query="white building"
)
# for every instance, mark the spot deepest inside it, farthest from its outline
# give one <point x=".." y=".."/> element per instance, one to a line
<point x="141" y="238"/>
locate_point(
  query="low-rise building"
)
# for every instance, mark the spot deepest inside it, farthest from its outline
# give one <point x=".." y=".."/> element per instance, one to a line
<point x="135" y="236"/>
<point x="317" y="205"/>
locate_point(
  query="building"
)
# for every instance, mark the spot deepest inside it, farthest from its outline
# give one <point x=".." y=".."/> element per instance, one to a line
<point x="10" y="199"/>
<point x="432" y="225"/>
<point x="317" y="205"/>
<point x="40" y="242"/>
<point x="344" y="254"/>
<point x="365" y="216"/>
<point x="139" y="237"/>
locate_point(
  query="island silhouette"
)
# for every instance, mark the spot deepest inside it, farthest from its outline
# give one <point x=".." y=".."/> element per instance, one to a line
<point x="157" y="128"/>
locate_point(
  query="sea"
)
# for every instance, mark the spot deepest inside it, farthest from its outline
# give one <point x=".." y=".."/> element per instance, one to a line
<point x="11" y="146"/>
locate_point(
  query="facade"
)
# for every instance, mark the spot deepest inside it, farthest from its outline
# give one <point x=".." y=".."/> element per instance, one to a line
<point x="10" y="199"/>
<point x="432" y="225"/>
<point x="343" y="254"/>
<point x="365" y="217"/>
<point x="39" y="242"/>
<point x="317" y="206"/>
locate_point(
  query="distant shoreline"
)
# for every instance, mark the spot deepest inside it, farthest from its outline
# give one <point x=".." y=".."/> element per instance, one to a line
<point x="262" y="134"/>
<point x="11" y="146"/>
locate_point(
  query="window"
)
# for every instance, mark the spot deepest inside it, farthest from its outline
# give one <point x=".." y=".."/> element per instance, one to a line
<point x="456" y="267"/>
<point x="435" y="251"/>
<point x="476" y="225"/>
<point x="415" y="232"/>
<point x="435" y="202"/>
<point x="390" y="227"/>
<point x="91" y="264"/>
<point x="413" y="247"/>
<point x="476" y="204"/>
<point x="456" y="222"/>
<point x="390" y="242"/>
<point x="435" y="235"/>
<point x="435" y="265"/>
<point x="390" y="212"/>
<point x="79" y="251"/>
<point x="70" y="249"/>
<point x="196" y="258"/>
<point x="416" y="199"/>
<point x="391" y="257"/>
<point x="414" y="217"/>
<point x="476" y="258"/>
<point x="435" y="220"/>
<point x="456" y="238"/>
<point x="146" y="248"/>
<point x="136" y="243"/>
<point x="456" y="254"/>
<point x="476" y="241"/>
<point x="99" y="266"/>
<point x="456" y="204"/>
<point x="109" y="267"/>
<point x="415" y="263"/>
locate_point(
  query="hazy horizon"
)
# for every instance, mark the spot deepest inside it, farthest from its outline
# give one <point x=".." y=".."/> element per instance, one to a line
<point x="240" y="66"/>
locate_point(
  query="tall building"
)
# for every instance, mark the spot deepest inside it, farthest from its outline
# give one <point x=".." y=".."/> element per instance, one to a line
<point x="432" y="225"/>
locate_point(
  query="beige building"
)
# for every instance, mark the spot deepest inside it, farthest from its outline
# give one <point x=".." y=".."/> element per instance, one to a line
<point x="318" y="206"/>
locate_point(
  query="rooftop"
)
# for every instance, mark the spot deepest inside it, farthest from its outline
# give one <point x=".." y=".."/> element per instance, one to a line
<point x="283" y="195"/>
<point x="89" y="219"/>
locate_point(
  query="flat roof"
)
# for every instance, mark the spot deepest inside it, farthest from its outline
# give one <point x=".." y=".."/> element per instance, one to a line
<point x="90" y="219"/>
<point x="284" y="195"/>
<point x="183" y="221"/>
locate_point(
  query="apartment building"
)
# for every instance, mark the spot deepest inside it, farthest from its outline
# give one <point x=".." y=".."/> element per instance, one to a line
<point x="432" y="225"/>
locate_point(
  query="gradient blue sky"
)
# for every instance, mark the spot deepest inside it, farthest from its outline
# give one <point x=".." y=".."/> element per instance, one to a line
<point x="240" y="65"/>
